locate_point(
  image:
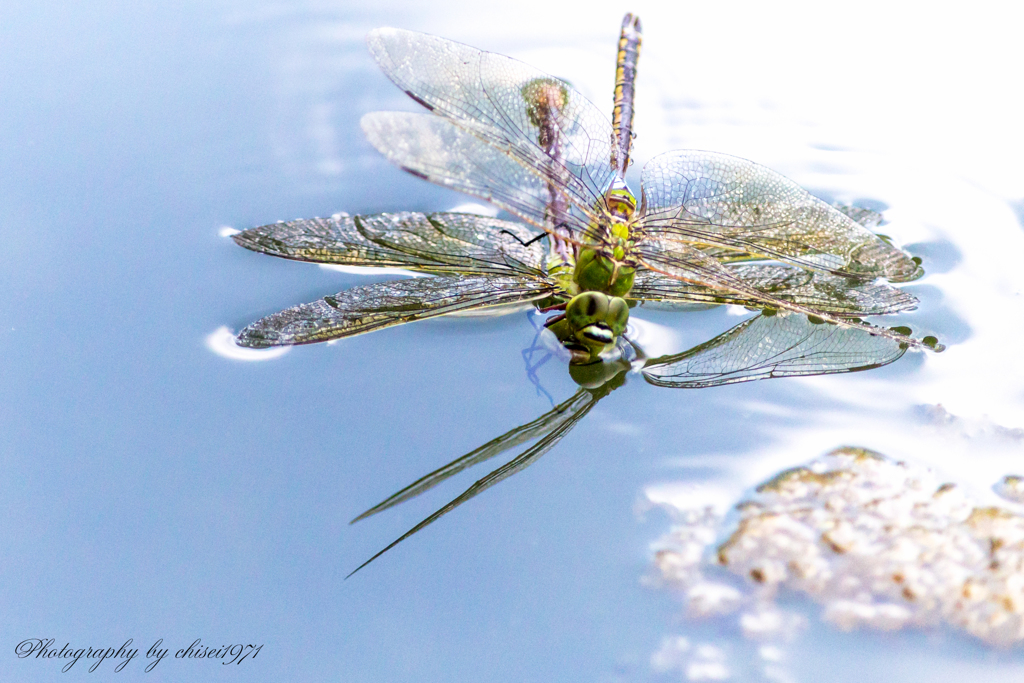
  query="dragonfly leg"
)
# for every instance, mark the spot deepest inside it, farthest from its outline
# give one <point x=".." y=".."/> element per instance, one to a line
<point x="554" y="319"/>
<point x="527" y="243"/>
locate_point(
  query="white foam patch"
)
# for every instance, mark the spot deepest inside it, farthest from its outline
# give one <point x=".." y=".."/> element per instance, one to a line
<point x="222" y="342"/>
<point x="878" y="543"/>
<point x="690" y="496"/>
<point x="227" y="231"/>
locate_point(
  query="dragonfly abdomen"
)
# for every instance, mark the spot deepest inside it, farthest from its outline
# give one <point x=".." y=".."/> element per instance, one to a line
<point x="625" y="76"/>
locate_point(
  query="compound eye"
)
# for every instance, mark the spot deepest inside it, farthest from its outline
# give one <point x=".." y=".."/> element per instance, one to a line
<point x="587" y="308"/>
<point x="618" y="315"/>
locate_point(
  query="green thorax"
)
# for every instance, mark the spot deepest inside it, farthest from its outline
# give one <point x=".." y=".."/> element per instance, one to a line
<point x="602" y="265"/>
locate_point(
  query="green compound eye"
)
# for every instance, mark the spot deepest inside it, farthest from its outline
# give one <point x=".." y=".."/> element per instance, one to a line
<point x="595" y="320"/>
<point x="587" y="308"/>
<point x="618" y="315"/>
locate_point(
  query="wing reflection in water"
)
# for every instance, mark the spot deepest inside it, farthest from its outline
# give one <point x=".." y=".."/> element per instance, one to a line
<point x="766" y="346"/>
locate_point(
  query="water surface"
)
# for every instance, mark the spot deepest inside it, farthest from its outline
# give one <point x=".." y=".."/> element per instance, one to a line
<point x="155" y="489"/>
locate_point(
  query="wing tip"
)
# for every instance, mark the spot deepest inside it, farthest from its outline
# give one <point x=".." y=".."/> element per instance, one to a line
<point x="374" y="123"/>
<point x="257" y="336"/>
<point x="249" y="239"/>
<point x="378" y="40"/>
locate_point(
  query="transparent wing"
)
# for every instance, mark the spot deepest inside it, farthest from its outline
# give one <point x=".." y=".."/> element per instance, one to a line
<point x="682" y="262"/>
<point x="536" y="119"/>
<point x="441" y="152"/>
<point x="437" y="150"/>
<point x="703" y="198"/>
<point x="372" y="307"/>
<point x="819" y="291"/>
<point x="782" y="345"/>
<point x="549" y="434"/>
<point x="434" y="242"/>
<point x="868" y="218"/>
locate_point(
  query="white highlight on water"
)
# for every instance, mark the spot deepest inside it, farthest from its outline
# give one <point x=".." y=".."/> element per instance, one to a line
<point x="473" y="207"/>
<point x="222" y="342"/>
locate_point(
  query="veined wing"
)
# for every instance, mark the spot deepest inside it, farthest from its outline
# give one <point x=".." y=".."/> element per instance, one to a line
<point x="434" y="242"/>
<point x="372" y="307"/>
<point x="437" y="150"/>
<point x="703" y="198"/>
<point x="521" y="112"/>
<point x="869" y="218"/>
<point x="833" y="294"/>
<point x="687" y="264"/>
<point x="555" y="426"/>
<point x="781" y="345"/>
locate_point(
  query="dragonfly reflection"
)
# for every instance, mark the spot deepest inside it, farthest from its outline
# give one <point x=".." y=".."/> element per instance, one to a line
<point x="768" y="345"/>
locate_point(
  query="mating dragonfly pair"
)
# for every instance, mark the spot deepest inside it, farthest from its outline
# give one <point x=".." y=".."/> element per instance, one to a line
<point x="708" y="229"/>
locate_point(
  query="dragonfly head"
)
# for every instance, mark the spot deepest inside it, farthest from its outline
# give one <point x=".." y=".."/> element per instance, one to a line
<point x="594" y="322"/>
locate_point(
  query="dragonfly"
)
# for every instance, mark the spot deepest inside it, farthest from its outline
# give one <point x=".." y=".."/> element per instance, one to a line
<point x="769" y="345"/>
<point x="708" y="227"/>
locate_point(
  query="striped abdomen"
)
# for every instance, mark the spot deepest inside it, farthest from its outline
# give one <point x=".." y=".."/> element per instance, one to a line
<point x="625" y="76"/>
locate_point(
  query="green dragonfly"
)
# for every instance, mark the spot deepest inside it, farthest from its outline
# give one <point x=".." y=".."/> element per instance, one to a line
<point x="769" y="345"/>
<point x="709" y="228"/>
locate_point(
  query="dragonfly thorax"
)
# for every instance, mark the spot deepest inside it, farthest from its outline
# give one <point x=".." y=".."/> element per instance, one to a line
<point x="601" y="263"/>
<point x="601" y="269"/>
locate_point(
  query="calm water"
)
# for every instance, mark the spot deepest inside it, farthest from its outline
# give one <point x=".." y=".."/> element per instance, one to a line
<point x="155" y="488"/>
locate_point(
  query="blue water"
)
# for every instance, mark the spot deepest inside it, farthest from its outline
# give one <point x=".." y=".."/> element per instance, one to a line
<point x="156" y="490"/>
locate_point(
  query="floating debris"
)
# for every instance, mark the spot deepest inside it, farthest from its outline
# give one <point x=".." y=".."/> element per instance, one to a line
<point x="700" y="662"/>
<point x="878" y="543"/>
<point x="1011" y="487"/>
<point x="937" y="416"/>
